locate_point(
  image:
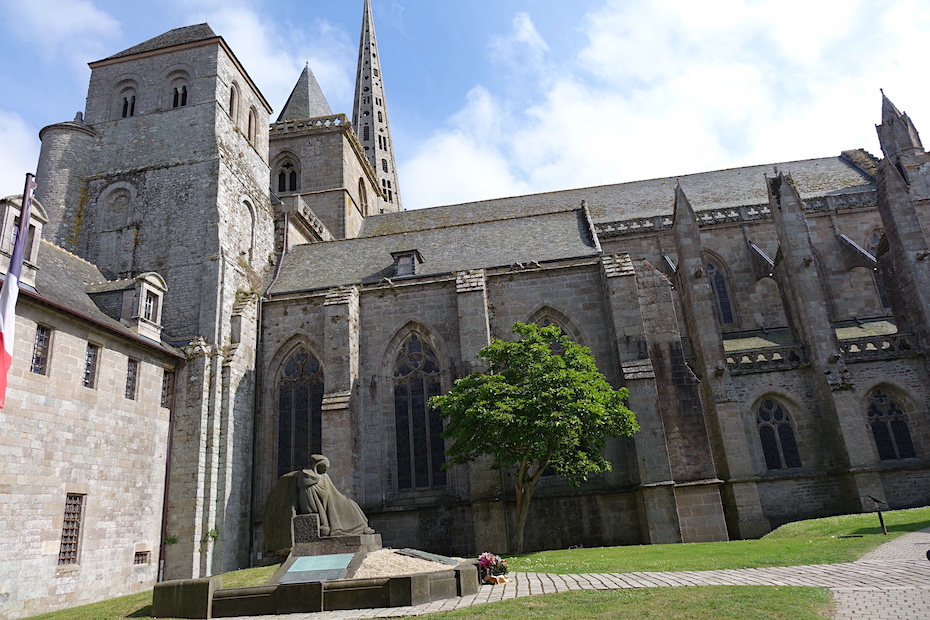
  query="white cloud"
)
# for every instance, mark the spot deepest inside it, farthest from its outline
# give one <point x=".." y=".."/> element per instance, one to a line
<point x="667" y="88"/>
<point x="463" y="161"/>
<point x="19" y="153"/>
<point x="69" y="30"/>
<point x="274" y="51"/>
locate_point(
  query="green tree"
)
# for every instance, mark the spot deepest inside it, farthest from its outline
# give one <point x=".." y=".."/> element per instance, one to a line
<point x="541" y="403"/>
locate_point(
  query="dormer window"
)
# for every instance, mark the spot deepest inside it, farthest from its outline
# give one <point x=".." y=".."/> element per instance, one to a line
<point x="149" y="291"/>
<point x="150" y="311"/>
<point x="9" y="229"/>
<point x="405" y="262"/>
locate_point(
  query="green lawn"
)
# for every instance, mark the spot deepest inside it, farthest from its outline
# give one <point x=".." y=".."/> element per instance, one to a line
<point x="736" y="602"/>
<point x="831" y="540"/>
<point x="819" y="541"/>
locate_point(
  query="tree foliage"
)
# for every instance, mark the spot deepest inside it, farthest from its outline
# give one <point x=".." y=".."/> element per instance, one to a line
<point x="541" y="403"/>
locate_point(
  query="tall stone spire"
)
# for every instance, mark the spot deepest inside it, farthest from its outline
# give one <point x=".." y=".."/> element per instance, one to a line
<point x="370" y="115"/>
<point x="307" y="99"/>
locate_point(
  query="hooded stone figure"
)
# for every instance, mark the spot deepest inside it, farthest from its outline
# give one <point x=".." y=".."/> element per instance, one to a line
<point x="310" y="491"/>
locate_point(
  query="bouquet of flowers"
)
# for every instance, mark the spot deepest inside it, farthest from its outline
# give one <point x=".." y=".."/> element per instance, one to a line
<point x="490" y="564"/>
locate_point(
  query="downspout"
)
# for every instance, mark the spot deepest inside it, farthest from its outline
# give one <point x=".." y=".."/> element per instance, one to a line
<point x="257" y="395"/>
<point x="164" y="506"/>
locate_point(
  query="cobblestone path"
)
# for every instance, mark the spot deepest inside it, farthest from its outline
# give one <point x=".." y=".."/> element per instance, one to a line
<point x="890" y="583"/>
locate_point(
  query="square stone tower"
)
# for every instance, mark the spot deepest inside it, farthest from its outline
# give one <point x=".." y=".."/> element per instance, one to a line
<point x="168" y="171"/>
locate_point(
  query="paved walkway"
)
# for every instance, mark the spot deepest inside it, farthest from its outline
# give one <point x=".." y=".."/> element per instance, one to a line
<point x="889" y="583"/>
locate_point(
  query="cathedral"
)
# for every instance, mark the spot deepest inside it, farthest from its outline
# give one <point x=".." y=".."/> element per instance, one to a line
<point x="211" y="294"/>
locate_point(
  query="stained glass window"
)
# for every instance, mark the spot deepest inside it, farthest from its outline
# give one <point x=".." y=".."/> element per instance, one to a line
<point x="420" y="447"/>
<point x="776" y="434"/>
<point x="722" y="296"/>
<point x="300" y="411"/>
<point x="889" y="427"/>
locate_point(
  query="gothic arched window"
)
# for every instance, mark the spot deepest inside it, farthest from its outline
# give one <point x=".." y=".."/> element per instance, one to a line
<point x="288" y="178"/>
<point x="777" y="436"/>
<point x="721" y="295"/>
<point x="420" y="447"/>
<point x="300" y="407"/>
<point x="888" y="420"/>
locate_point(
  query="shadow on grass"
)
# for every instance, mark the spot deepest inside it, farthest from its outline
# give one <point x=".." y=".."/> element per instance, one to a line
<point x="893" y="527"/>
<point x="142" y="612"/>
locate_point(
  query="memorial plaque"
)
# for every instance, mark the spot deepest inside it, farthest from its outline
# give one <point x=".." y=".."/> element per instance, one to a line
<point x="317" y="568"/>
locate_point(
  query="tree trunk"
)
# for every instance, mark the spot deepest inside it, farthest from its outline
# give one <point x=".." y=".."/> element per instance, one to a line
<point x="524" y="486"/>
<point x="523" y="510"/>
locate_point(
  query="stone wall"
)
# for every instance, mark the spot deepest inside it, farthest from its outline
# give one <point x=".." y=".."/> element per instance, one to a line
<point x="63" y="438"/>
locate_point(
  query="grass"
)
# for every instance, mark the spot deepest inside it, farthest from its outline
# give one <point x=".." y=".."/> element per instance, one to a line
<point x="818" y="541"/>
<point x="832" y="540"/>
<point x="742" y="602"/>
<point x="140" y="605"/>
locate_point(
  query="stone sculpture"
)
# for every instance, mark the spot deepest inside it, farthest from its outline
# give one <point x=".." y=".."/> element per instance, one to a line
<point x="310" y="491"/>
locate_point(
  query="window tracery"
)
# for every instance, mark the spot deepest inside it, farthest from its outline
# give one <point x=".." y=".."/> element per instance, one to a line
<point x="718" y="283"/>
<point x="300" y="411"/>
<point x="776" y="433"/>
<point x="888" y="420"/>
<point x="418" y="428"/>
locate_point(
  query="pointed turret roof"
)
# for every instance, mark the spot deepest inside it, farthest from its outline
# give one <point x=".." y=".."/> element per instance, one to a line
<point x="307" y="99"/>
<point x="897" y="132"/>
<point x="178" y="36"/>
<point x="370" y="115"/>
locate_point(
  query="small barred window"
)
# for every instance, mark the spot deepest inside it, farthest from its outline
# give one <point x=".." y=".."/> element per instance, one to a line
<point x="132" y="378"/>
<point x="71" y="529"/>
<point x="167" y="388"/>
<point x="41" y="349"/>
<point x="91" y="357"/>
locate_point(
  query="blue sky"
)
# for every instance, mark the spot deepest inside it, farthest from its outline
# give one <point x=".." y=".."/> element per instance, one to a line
<point x="491" y="98"/>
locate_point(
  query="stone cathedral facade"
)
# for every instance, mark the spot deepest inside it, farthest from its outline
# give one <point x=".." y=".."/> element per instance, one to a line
<point x="259" y="287"/>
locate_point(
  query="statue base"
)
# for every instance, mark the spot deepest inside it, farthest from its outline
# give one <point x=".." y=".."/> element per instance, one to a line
<point x="305" y="534"/>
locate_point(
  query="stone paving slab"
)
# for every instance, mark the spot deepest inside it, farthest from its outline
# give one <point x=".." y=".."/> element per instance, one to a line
<point x="890" y="583"/>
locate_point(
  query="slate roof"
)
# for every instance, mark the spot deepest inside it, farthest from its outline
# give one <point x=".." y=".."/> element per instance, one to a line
<point x="307" y="99"/>
<point x="178" y="36"/>
<point x="542" y="237"/>
<point x="609" y="203"/>
<point x="62" y="279"/>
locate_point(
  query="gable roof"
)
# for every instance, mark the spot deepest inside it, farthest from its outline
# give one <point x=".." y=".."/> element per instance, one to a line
<point x="178" y="36"/>
<point x="541" y="237"/>
<point x="621" y="201"/>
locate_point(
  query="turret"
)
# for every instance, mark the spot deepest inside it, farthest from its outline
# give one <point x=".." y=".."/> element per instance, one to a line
<point x="60" y="174"/>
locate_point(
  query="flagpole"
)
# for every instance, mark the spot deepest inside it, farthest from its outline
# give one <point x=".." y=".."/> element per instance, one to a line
<point x="22" y="235"/>
<point x="10" y="289"/>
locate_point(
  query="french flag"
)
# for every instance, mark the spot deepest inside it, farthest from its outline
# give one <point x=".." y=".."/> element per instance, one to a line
<point x="10" y="290"/>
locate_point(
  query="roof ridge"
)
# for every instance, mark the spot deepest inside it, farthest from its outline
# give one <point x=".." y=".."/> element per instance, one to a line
<point x="72" y="254"/>
<point x="464" y="223"/>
